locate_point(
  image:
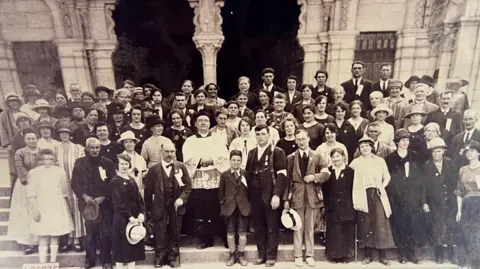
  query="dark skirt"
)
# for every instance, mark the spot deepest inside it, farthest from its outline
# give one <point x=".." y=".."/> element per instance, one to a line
<point x="408" y="226"/>
<point x="340" y="239"/>
<point x="202" y="216"/>
<point x="122" y="250"/>
<point x="374" y="227"/>
<point x="470" y="223"/>
<point x="443" y="227"/>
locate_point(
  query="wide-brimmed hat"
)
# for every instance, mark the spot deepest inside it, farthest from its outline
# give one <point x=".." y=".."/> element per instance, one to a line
<point x="427" y="80"/>
<point x="11" y="97"/>
<point x="115" y="108"/>
<point x="153" y="120"/>
<point x="381" y="107"/>
<point x="64" y="127"/>
<point x="135" y="233"/>
<point x="76" y="104"/>
<point x="395" y="83"/>
<point x="42" y="103"/>
<point x="401" y="134"/>
<point x="415" y="112"/>
<point x="436" y="143"/>
<point x="366" y="139"/>
<point x="410" y="80"/>
<point x="91" y="212"/>
<point x="43" y="124"/>
<point x="291" y="220"/>
<point x="457" y="80"/>
<point x="103" y="89"/>
<point x="127" y="135"/>
<point x="20" y="115"/>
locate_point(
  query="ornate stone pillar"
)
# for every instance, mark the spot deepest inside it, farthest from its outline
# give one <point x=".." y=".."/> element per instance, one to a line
<point x="449" y="36"/>
<point x="208" y="37"/>
<point x="9" y="81"/>
<point x="73" y="59"/>
<point x="341" y="54"/>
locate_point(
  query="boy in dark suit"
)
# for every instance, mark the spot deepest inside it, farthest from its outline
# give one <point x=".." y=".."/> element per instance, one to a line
<point x="235" y="206"/>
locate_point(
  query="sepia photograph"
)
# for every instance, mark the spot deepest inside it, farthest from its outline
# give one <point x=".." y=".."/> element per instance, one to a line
<point x="214" y="134"/>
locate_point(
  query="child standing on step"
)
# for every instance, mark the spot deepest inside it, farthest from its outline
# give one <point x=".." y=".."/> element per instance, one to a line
<point x="48" y="199"/>
<point x="235" y="207"/>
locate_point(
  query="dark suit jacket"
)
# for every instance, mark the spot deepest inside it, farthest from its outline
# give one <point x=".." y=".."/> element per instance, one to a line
<point x="155" y="184"/>
<point x="252" y="99"/>
<point x="297" y="96"/>
<point x="350" y="92"/>
<point x="457" y="144"/>
<point x="327" y="92"/>
<point x="275" y="89"/>
<point x="233" y="195"/>
<point x="269" y="188"/>
<point x="297" y="188"/>
<point x="246" y="113"/>
<point x="456" y="125"/>
<point x="378" y="87"/>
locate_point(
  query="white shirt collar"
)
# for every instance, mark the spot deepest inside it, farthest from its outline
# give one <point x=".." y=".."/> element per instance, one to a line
<point x="268" y="88"/>
<point x="358" y="79"/>
<point x="301" y="152"/>
<point x="235" y="171"/>
<point x="445" y="110"/>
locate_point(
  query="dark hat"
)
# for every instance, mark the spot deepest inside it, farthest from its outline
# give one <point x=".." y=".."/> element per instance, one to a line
<point x="104" y="89"/>
<point x="427" y="80"/>
<point x="203" y="112"/>
<point x="149" y="108"/>
<point x="91" y="212"/>
<point x="153" y="120"/>
<point x="115" y="108"/>
<point x="30" y="90"/>
<point x="366" y="139"/>
<point x="76" y="104"/>
<point x="472" y="144"/>
<point x="410" y="80"/>
<point x="61" y="111"/>
<point x="400" y="134"/>
<point x="45" y="124"/>
<point x="150" y="85"/>
<point x="64" y="127"/>
<point x="395" y="83"/>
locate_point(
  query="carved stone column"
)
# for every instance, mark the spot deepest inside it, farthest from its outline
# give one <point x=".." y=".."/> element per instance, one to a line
<point x="449" y="36"/>
<point x="340" y="55"/>
<point x="208" y="37"/>
<point x="9" y="81"/>
<point x="73" y="59"/>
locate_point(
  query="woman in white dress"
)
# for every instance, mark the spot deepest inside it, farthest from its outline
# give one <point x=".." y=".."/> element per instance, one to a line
<point x="49" y="199"/>
<point x="67" y="153"/>
<point x="139" y="166"/>
<point x="46" y="131"/>
<point x="330" y="133"/>
<point x="245" y="142"/>
<point x="260" y="119"/>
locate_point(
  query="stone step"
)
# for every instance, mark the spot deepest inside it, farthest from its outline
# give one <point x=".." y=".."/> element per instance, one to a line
<point x="4" y="214"/>
<point x="7" y="244"/>
<point x="216" y="254"/>
<point x="5" y="202"/>
<point x="3" y="228"/>
<point x="5" y="192"/>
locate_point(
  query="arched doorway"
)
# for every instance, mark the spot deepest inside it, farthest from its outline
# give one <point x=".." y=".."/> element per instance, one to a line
<point x="155" y="43"/>
<point x="258" y="34"/>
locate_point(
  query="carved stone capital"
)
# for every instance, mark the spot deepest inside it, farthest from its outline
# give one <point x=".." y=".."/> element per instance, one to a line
<point x="109" y="8"/>
<point x="207" y="16"/>
<point x="66" y="18"/>
<point x="344" y="14"/>
<point x="302" y="28"/>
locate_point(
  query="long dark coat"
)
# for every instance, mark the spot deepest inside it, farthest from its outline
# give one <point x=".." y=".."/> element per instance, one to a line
<point x="127" y="202"/>
<point x="406" y="195"/>
<point x="442" y="201"/>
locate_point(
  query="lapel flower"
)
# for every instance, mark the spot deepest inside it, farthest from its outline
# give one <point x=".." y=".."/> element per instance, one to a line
<point x="244" y="181"/>
<point x="103" y="173"/>
<point x="175" y="137"/>
<point x="436" y="174"/>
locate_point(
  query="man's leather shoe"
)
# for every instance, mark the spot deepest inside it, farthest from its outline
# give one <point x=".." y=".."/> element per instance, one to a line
<point x="258" y="261"/>
<point x="270" y="263"/>
<point x="31" y="250"/>
<point x="175" y="263"/>
<point x="158" y="263"/>
<point x="384" y="262"/>
<point x="241" y="259"/>
<point x="231" y="260"/>
<point x="107" y="266"/>
<point x="88" y="265"/>
<point x="367" y="260"/>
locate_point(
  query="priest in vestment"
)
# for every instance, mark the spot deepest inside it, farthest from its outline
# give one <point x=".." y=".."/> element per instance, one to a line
<point x="205" y="159"/>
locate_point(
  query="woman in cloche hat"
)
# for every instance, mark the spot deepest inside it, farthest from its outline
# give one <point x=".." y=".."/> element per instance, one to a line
<point x="67" y="153"/>
<point x="380" y="113"/>
<point x="441" y="179"/>
<point x="468" y="199"/>
<point x="128" y="207"/>
<point x="139" y="166"/>
<point x="416" y="130"/>
<point x="337" y="194"/>
<point x="46" y="131"/>
<point x="405" y="192"/>
<point x="371" y="201"/>
<point x="460" y="99"/>
<point x="45" y="110"/>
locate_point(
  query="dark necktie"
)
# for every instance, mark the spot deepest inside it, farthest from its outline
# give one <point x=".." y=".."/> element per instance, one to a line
<point x="304" y="156"/>
<point x="169" y="165"/>
<point x="383" y="87"/>
<point x="467" y="137"/>
<point x="356" y="83"/>
<point x="245" y="148"/>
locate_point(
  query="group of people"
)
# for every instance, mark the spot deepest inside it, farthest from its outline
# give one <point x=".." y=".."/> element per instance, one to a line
<point x="386" y="164"/>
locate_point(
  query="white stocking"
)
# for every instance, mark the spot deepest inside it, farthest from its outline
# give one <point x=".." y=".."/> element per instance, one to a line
<point x="131" y="265"/>
<point x="53" y="248"/>
<point x="118" y="265"/>
<point x="42" y="249"/>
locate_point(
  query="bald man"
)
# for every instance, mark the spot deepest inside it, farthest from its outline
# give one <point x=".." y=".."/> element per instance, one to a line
<point x="167" y="187"/>
<point x="470" y="119"/>
<point x="91" y="178"/>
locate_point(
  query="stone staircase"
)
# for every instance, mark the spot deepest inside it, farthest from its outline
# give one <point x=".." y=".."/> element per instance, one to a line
<point x="11" y="254"/>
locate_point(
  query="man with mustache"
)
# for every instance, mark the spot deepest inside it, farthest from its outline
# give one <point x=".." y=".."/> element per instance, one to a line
<point x="450" y="121"/>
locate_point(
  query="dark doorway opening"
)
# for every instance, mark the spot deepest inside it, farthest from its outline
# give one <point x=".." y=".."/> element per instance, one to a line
<point x="155" y="43"/>
<point x="258" y="34"/>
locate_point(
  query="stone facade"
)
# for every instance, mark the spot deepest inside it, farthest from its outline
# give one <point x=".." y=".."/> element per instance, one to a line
<point x="432" y="34"/>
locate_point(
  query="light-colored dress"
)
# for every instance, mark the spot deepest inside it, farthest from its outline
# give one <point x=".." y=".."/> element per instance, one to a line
<point x="50" y="188"/>
<point x="243" y="144"/>
<point x="67" y="154"/>
<point x="325" y="149"/>
<point x="137" y="162"/>
<point x="152" y="149"/>
<point x="274" y="135"/>
<point x="19" y="219"/>
<point x="47" y="144"/>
